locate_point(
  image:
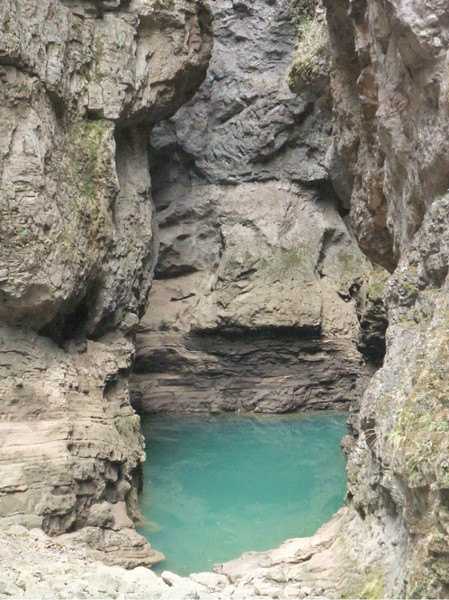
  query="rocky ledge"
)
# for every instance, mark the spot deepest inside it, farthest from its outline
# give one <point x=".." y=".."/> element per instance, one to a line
<point x="327" y="565"/>
<point x="42" y="567"/>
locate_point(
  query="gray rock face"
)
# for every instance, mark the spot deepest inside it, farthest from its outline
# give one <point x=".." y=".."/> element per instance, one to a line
<point x="259" y="283"/>
<point x="93" y="172"/>
<point x="81" y="83"/>
<point x="243" y="123"/>
<point x="388" y="157"/>
<point x="389" y="82"/>
<point x="402" y="449"/>
<point x="273" y="327"/>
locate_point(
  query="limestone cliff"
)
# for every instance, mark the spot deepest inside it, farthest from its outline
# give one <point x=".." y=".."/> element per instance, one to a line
<point x="259" y="285"/>
<point x="81" y="84"/>
<point x="389" y="160"/>
<point x="247" y="221"/>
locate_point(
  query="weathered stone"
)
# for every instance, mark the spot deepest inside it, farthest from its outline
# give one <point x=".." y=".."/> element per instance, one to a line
<point x="389" y="158"/>
<point x="76" y="215"/>
<point x="389" y="83"/>
<point x="402" y="449"/>
<point x="275" y="328"/>
<point x="81" y="84"/>
<point x="256" y="300"/>
<point x="212" y="581"/>
<point x="374" y="318"/>
<point x="78" y="98"/>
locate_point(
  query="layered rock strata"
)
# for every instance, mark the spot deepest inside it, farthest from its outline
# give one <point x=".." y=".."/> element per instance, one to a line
<point x="391" y="538"/>
<point x="81" y="85"/>
<point x="259" y="285"/>
<point x="228" y="277"/>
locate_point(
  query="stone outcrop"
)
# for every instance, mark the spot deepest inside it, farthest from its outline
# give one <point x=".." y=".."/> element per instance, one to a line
<point x="259" y="285"/>
<point x="398" y="472"/>
<point x="241" y="182"/>
<point x="81" y="84"/>
<point x="388" y="162"/>
<point x="42" y="567"/>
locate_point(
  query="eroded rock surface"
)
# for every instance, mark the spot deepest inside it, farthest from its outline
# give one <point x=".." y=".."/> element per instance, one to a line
<point x="42" y="567"/>
<point x="402" y="449"/>
<point x="81" y="83"/>
<point x="388" y="158"/>
<point x="390" y="89"/>
<point x="259" y="283"/>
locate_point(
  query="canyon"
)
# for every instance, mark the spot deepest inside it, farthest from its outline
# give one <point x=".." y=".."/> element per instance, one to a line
<point x="78" y="250"/>
<point x="219" y="208"/>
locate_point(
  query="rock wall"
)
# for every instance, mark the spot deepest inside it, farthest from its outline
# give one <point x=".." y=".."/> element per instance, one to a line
<point x="388" y="163"/>
<point x="262" y="300"/>
<point x="259" y="285"/>
<point x="81" y="84"/>
<point x="390" y="102"/>
<point x="389" y="160"/>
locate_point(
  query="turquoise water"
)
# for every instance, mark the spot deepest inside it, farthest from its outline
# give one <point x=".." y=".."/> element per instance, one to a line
<point x="217" y="486"/>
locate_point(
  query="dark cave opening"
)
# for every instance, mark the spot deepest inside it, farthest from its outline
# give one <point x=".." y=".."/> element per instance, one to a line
<point x="75" y="324"/>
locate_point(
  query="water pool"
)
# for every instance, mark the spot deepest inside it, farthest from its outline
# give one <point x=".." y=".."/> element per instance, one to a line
<point x="217" y="486"/>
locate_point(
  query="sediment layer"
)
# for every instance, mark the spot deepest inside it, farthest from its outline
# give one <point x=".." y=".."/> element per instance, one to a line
<point x="79" y="95"/>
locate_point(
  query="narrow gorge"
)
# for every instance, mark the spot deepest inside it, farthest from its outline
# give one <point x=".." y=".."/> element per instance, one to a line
<point x="218" y="207"/>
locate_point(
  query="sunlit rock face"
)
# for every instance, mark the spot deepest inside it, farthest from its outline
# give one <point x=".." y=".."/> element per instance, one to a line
<point x="259" y="283"/>
<point x="81" y="84"/>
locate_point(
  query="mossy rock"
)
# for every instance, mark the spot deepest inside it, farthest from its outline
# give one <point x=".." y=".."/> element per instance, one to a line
<point x="377" y="283"/>
<point x="311" y="62"/>
<point x="372" y="587"/>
